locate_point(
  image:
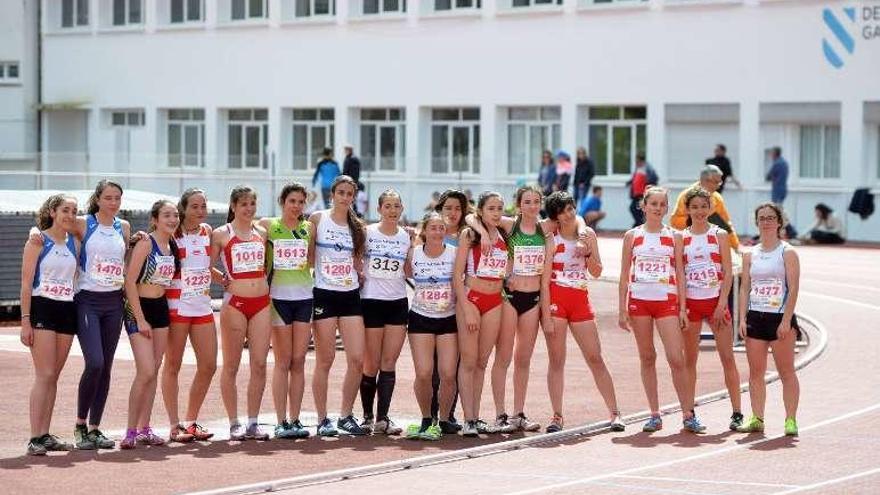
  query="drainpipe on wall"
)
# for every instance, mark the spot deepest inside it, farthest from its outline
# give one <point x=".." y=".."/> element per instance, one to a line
<point x="39" y="94"/>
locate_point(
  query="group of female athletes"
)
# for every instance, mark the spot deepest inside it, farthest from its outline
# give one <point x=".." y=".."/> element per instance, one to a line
<point x="482" y="282"/>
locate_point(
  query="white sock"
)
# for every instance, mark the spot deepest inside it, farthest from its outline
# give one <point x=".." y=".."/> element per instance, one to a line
<point x="233" y="422"/>
<point x="189" y="422"/>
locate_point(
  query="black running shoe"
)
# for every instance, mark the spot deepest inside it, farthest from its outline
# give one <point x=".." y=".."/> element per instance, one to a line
<point x="349" y="425"/>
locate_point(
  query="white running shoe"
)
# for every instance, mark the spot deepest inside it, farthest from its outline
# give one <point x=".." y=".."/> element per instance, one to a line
<point x="617" y="424"/>
<point x="386" y="427"/>
<point x="236" y="432"/>
<point x="469" y="429"/>
<point x="502" y="425"/>
<point x="523" y="423"/>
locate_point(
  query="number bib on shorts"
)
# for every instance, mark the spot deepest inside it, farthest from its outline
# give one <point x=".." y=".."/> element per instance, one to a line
<point x="164" y="271"/>
<point x="494" y="265"/>
<point x="289" y="254"/>
<point x="572" y="278"/>
<point x="652" y="269"/>
<point x="528" y="260"/>
<point x="434" y="298"/>
<point x="337" y="271"/>
<point x="57" y="289"/>
<point x="195" y="281"/>
<point x="382" y="267"/>
<point x="107" y="271"/>
<point x="701" y="275"/>
<point x="766" y="295"/>
<point x="247" y="257"/>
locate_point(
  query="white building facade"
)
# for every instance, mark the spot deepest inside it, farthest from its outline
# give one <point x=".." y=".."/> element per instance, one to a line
<point x="167" y="94"/>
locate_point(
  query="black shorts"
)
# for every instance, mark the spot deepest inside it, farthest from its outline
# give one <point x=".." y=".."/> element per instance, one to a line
<point x="335" y="304"/>
<point x="378" y="313"/>
<point x="433" y="326"/>
<point x="49" y="314"/>
<point x="155" y="312"/>
<point x="763" y="326"/>
<point x="288" y="312"/>
<point x="522" y="302"/>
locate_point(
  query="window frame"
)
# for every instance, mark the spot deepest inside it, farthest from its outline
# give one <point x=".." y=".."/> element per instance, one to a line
<point x="248" y="15"/>
<point x="193" y="120"/>
<point x="635" y="126"/>
<point x="555" y="138"/>
<point x="477" y="5"/>
<point x="329" y="126"/>
<point x="79" y="18"/>
<point x="262" y="126"/>
<point x="185" y="4"/>
<point x="5" y="67"/>
<point x="473" y="127"/>
<point x="372" y="163"/>
<point x="823" y="164"/>
<point x="126" y="14"/>
<point x="380" y="8"/>
<point x="311" y="15"/>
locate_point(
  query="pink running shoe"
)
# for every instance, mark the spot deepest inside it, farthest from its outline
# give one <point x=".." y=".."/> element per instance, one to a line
<point x="130" y="440"/>
<point x="147" y="437"/>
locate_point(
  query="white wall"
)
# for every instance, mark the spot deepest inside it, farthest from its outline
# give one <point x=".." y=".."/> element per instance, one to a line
<point x="18" y="125"/>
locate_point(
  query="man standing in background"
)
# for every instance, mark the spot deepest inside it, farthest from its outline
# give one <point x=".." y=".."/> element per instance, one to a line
<point x="351" y="165"/>
<point x="721" y="161"/>
<point x="778" y="177"/>
<point x="326" y="170"/>
<point x="584" y="170"/>
<point x="642" y="177"/>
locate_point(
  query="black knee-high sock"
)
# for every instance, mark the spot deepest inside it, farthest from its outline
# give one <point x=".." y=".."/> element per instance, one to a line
<point x="435" y="389"/>
<point x="368" y="394"/>
<point x="385" y="386"/>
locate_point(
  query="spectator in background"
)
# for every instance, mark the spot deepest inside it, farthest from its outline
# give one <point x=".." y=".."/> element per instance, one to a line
<point x="361" y="201"/>
<point x="643" y="176"/>
<point x="470" y="198"/>
<point x="564" y="171"/>
<point x="710" y="180"/>
<point x="828" y="229"/>
<point x="547" y="173"/>
<point x="351" y="165"/>
<point x="721" y="161"/>
<point x="778" y="176"/>
<point x="313" y="203"/>
<point x="590" y="207"/>
<point x="584" y="170"/>
<point x="435" y="198"/>
<point x="326" y="170"/>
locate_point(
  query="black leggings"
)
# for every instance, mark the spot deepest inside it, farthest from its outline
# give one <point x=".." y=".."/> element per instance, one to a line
<point x="99" y="324"/>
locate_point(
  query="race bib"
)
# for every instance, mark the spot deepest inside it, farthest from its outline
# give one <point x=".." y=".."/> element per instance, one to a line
<point x="337" y="271"/>
<point x="701" y="275"/>
<point x="434" y="298"/>
<point x="247" y="257"/>
<point x="572" y="278"/>
<point x="57" y="289"/>
<point x="107" y="271"/>
<point x="164" y="271"/>
<point x="652" y="269"/>
<point x="528" y="260"/>
<point x="289" y="254"/>
<point x="382" y="267"/>
<point x="195" y="282"/>
<point x="494" y="265"/>
<point x="767" y="293"/>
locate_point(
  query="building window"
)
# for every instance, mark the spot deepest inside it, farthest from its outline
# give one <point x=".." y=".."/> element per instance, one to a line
<point x="248" y="138"/>
<point x="383" y="139"/>
<point x="446" y="5"/>
<point x="606" y="2"/>
<point x="455" y="140"/>
<point x="384" y="6"/>
<point x="616" y="134"/>
<point x="531" y="3"/>
<point x="127" y="118"/>
<point x="126" y="12"/>
<point x="9" y="72"/>
<point x="314" y="8"/>
<point x="312" y="132"/>
<point x="74" y="13"/>
<point x="183" y="11"/>
<point x="820" y="152"/>
<point x="186" y="138"/>
<point x="530" y="131"/>
<point x="249" y="9"/>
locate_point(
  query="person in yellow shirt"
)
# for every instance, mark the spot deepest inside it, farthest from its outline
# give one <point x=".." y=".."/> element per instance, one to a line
<point x="710" y="180"/>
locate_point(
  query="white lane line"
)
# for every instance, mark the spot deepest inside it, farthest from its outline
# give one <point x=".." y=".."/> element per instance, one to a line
<point x="711" y="482"/>
<point x="840" y="299"/>
<point x="834" y="481"/>
<point x="646" y="488"/>
<point x="839" y="284"/>
<point x="692" y="458"/>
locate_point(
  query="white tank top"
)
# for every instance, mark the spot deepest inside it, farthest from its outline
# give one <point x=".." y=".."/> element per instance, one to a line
<point x="652" y="268"/>
<point x="568" y="270"/>
<point x="383" y="264"/>
<point x="769" y="288"/>
<point x="334" y="262"/>
<point x="102" y="257"/>
<point x="56" y="270"/>
<point x="702" y="264"/>
<point x="434" y="296"/>
<point x="190" y="292"/>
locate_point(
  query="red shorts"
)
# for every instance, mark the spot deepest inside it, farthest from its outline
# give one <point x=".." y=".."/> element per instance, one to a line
<point x="654" y="309"/>
<point x="484" y="302"/>
<point x="570" y="304"/>
<point x="191" y="320"/>
<point x="702" y="309"/>
<point x="248" y="306"/>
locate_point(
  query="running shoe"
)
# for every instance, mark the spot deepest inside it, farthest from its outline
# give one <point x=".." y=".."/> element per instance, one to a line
<point x="130" y="440"/>
<point x="236" y="432"/>
<point x="179" y="434"/>
<point x="101" y="441"/>
<point x="82" y="439"/>
<point x="755" y="425"/>
<point x="199" y="432"/>
<point x="35" y="446"/>
<point x="432" y="433"/>
<point x="482" y="426"/>
<point x="617" y="423"/>
<point x="736" y="421"/>
<point x="350" y="425"/>
<point x="413" y="432"/>
<point x="326" y="428"/>
<point x="147" y="437"/>
<point x="55" y="444"/>
<point x="255" y="432"/>
<point x="502" y="425"/>
<point x="791" y="427"/>
<point x="555" y="425"/>
<point x="297" y="430"/>
<point x="449" y="428"/>
<point x="693" y="425"/>
<point x="386" y="427"/>
<point x="367" y="425"/>
<point x="522" y="423"/>
<point x="282" y="430"/>
<point x="469" y="429"/>
<point x="654" y="423"/>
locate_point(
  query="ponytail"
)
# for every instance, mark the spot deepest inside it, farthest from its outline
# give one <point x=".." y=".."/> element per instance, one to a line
<point x="358" y="233"/>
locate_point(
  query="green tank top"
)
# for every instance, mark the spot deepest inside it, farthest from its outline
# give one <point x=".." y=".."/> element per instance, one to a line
<point x="289" y="284"/>
<point x="520" y="238"/>
<point x="526" y="250"/>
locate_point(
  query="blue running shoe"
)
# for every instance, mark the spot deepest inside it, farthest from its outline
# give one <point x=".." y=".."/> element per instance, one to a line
<point x="693" y="425"/>
<point x="654" y="423"/>
<point x="326" y="428"/>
